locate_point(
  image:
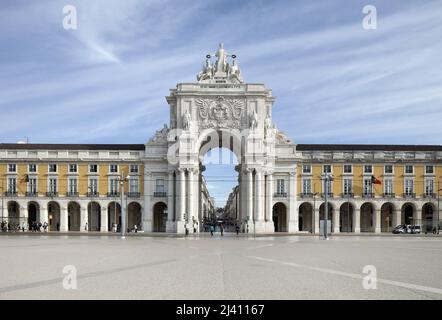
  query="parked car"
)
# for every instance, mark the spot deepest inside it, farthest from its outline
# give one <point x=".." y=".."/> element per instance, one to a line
<point x="402" y="228"/>
<point x="415" y="229"/>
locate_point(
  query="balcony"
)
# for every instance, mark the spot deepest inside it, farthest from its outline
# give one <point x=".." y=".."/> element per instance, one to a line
<point x="329" y="195"/>
<point x="388" y="195"/>
<point x="430" y="195"/>
<point x="347" y="195"/>
<point x="51" y="194"/>
<point x="368" y="195"/>
<point x="306" y="195"/>
<point x="92" y="194"/>
<point x="72" y="194"/>
<point x="10" y="193"/>
<point x="409" y="195"/>
<point x="280" y="195"/>
<point x="113" y="194"/>
<point x="32" y="194"/>
<point x="159" y="194"/>
<point x="136" y="194"/>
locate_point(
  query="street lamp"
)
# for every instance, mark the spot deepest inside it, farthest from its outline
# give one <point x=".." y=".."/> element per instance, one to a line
<point x="122" y="180"/>
<point x="327" y="178"/>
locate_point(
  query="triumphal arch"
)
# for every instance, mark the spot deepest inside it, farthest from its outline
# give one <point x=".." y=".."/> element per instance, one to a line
<point x="221" y="110"/>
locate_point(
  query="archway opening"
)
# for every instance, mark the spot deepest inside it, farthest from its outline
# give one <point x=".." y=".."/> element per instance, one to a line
<point x="367" y="217"/>
<point x="74" y="214"/>
<point x="219" y="200"/>
<point x="33" y="216"/>
<point x="13" y="216"/>
<point x="306" y="217"/>
<point x="159" y="217"/>
<point x="53" y="216"/>
<point x="387" y="217"/>
<point x="346" y="217"/>
<point x="329" y="214"/>
<point x="94" y="216"/>
<point x="134" y="216"/>
<point x="428" y="217"/>
<point x="280" y="217"/>
<point x="114" y="217"/>
<point x="407" y="213"/>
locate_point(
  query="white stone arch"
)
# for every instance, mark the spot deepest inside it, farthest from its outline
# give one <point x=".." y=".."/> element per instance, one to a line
<point x="367" y="214"/>
<point x="229" y="138"/>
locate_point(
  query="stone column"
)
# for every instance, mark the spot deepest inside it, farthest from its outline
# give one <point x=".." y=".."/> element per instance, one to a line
<point x="270" y="227"/>
<point x="104" y="220"/>
<point x="148" y="211"/>
<point x="396" y="217"/>
<point x="293" y="213"/>
<point x="377" y="220"/>
<point x="83" y="219"/>
<point x="418" y="216"/>
<point x="259" y="216"/>
<point x="44" y="213"/>
<point x="181" y="197"/>
<point x="249" y="180"/>
<point x="336" y="220"/>
<point x="316" y="219"/>
<point x="170" y="203"/>
<point x="191" y="200"/>
<point x="357" y="220"/>
<point x="64" y="219"/>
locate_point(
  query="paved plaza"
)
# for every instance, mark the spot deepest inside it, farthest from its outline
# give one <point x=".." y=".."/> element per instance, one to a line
<point x="229" y="267"/>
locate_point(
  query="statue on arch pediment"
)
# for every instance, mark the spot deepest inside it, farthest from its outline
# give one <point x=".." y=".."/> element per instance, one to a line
<point x="160" y="136"/>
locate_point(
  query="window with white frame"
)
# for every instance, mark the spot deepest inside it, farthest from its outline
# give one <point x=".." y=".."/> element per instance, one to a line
<point x="32" y="185"/>
<point x="52" y="186"/>
<point x="93" y="186"/>
<point x="388" y="169"/>
<point x="73" y="185"/>
<point x="113" y="168"/>
<point x="409" y="187"/>
<point x="327" y="168"/>
<point x="134" y="186"/>
<point x="368" y="187"/>
<point x="306" y="186"/>
<point x="409" y="169"/>
<point x="73" y="168"/>
<point x="348" y="168"/>
<point x="133" y="168"/>
<point x="52" y="168"/>
<point x="32" y="168"/>
<point x="159" y="185"/>
<point x="113" y="185"/>
<point x="12" y="185"/>
<point x="429" y="169"/>
<point x="12" y="167"/>
<point x="93" y="168"/>
<point x="280" y="186"/>
<point x="368" y="168"/>
<point x="306" y="168"/>
<point x="388" y="187"/>
<point x="348" y="186"/>
<point x="429" y="187"/>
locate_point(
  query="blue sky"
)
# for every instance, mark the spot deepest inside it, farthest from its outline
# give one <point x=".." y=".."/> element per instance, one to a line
<point x="334" y="81"/>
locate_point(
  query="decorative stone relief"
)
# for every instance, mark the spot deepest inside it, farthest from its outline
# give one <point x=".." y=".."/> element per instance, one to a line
<point x="220" y="112"/>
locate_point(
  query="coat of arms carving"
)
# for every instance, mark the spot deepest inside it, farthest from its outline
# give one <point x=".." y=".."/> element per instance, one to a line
<point x="220" y="112"/>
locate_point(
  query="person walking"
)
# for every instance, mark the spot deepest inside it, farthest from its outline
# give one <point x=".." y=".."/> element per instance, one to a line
<point x="135" y="228"/>
<point x="221" y="228"/>
<point x="85" y="227"/>
<point x="237" y="229"/>
<point x="211" y="230"/>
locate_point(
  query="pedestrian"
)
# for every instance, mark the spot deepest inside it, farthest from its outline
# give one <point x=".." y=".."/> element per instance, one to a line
<point x="211" y="228"/>
<point x="237" y="229"/>
<point x="135" y="228"/>
<point x="58" y="226"/>
<point x="85" y="227"/>
<point x="221" y="228"/>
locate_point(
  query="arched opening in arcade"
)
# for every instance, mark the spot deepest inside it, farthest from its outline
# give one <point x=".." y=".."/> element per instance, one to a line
<point x="13" y="215"/>
<point x="219" y="201"/>
<point x="159" y="217"/>
<point x="330" y="214"/>
<point x="280" y="217"/>
<point x="93" y="216"/>
<point x="114" y="216"/>
<point x="306" y="217"/>
<point x="428" y="217"/>
<point x="134" y="216"/>
<point x="53" y="216"/>
<point x="387" y="210"/>
<point x="367" y="217"/>
<point x="407" y="213"/>
<point x="33" y="214"/>
<point x="346" y="217"/>
<point x="74" y="216"/>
